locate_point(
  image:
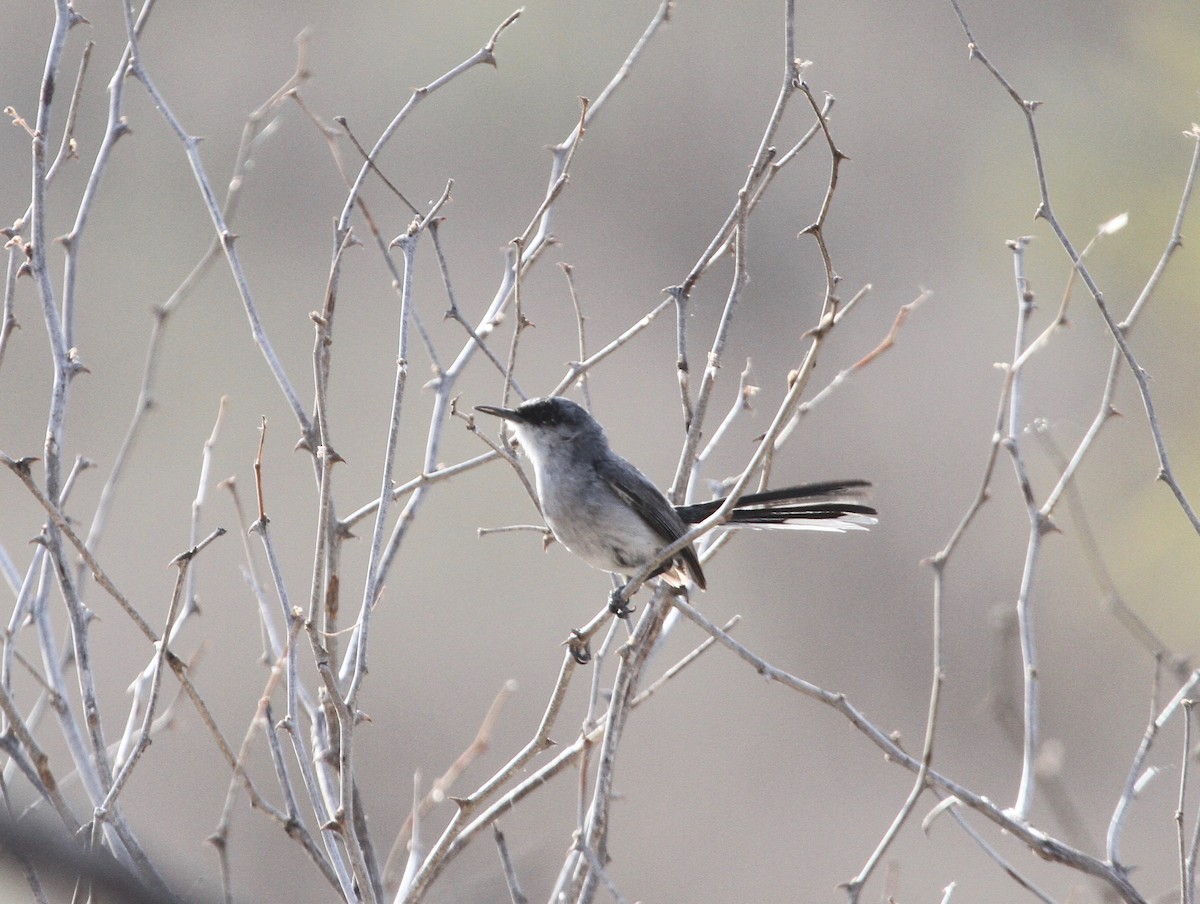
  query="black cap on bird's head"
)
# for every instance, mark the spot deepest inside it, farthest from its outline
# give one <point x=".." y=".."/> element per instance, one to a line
<point x="552" y="426"/>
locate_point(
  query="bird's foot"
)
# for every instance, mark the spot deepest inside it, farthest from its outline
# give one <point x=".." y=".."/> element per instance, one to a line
<point x="577" y="643"/>
<point x="619" y="607"/>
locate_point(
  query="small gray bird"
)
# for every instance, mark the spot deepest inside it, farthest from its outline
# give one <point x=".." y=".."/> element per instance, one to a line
<point x="608" y="513"/>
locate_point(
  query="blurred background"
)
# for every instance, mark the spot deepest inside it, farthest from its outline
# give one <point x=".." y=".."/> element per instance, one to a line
<point x="730" y="789"/>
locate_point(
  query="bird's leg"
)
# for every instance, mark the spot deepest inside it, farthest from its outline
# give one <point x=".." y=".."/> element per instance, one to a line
<point x="579" y="642"/>
<point x="619" y="607"/>
<point x="581" y="650"/>
<point x="617" y="604"/>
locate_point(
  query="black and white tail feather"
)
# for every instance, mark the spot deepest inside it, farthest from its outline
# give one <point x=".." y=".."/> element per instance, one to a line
<point x="823" y="506"/>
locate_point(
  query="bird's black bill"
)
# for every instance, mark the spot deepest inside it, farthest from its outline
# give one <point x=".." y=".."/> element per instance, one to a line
<point x="508" y="414"/>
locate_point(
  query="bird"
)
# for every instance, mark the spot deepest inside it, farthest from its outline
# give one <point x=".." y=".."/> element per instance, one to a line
<point x="607" y="512"/>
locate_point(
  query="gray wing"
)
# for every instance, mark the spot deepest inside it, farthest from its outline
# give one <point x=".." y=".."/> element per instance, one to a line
<point x="636" y="490"/>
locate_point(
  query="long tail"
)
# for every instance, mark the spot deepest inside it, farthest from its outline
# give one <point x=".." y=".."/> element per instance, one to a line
<point x="810" y="506"/>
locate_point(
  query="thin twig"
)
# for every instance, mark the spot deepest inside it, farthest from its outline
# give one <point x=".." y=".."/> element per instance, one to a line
<point x="510" y="872"/>
<point x="1186" y="894"/>
<point x="580" y="320"/>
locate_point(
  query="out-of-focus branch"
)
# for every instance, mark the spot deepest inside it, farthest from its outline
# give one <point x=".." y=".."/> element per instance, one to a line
<point x="1116" y="330"/>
